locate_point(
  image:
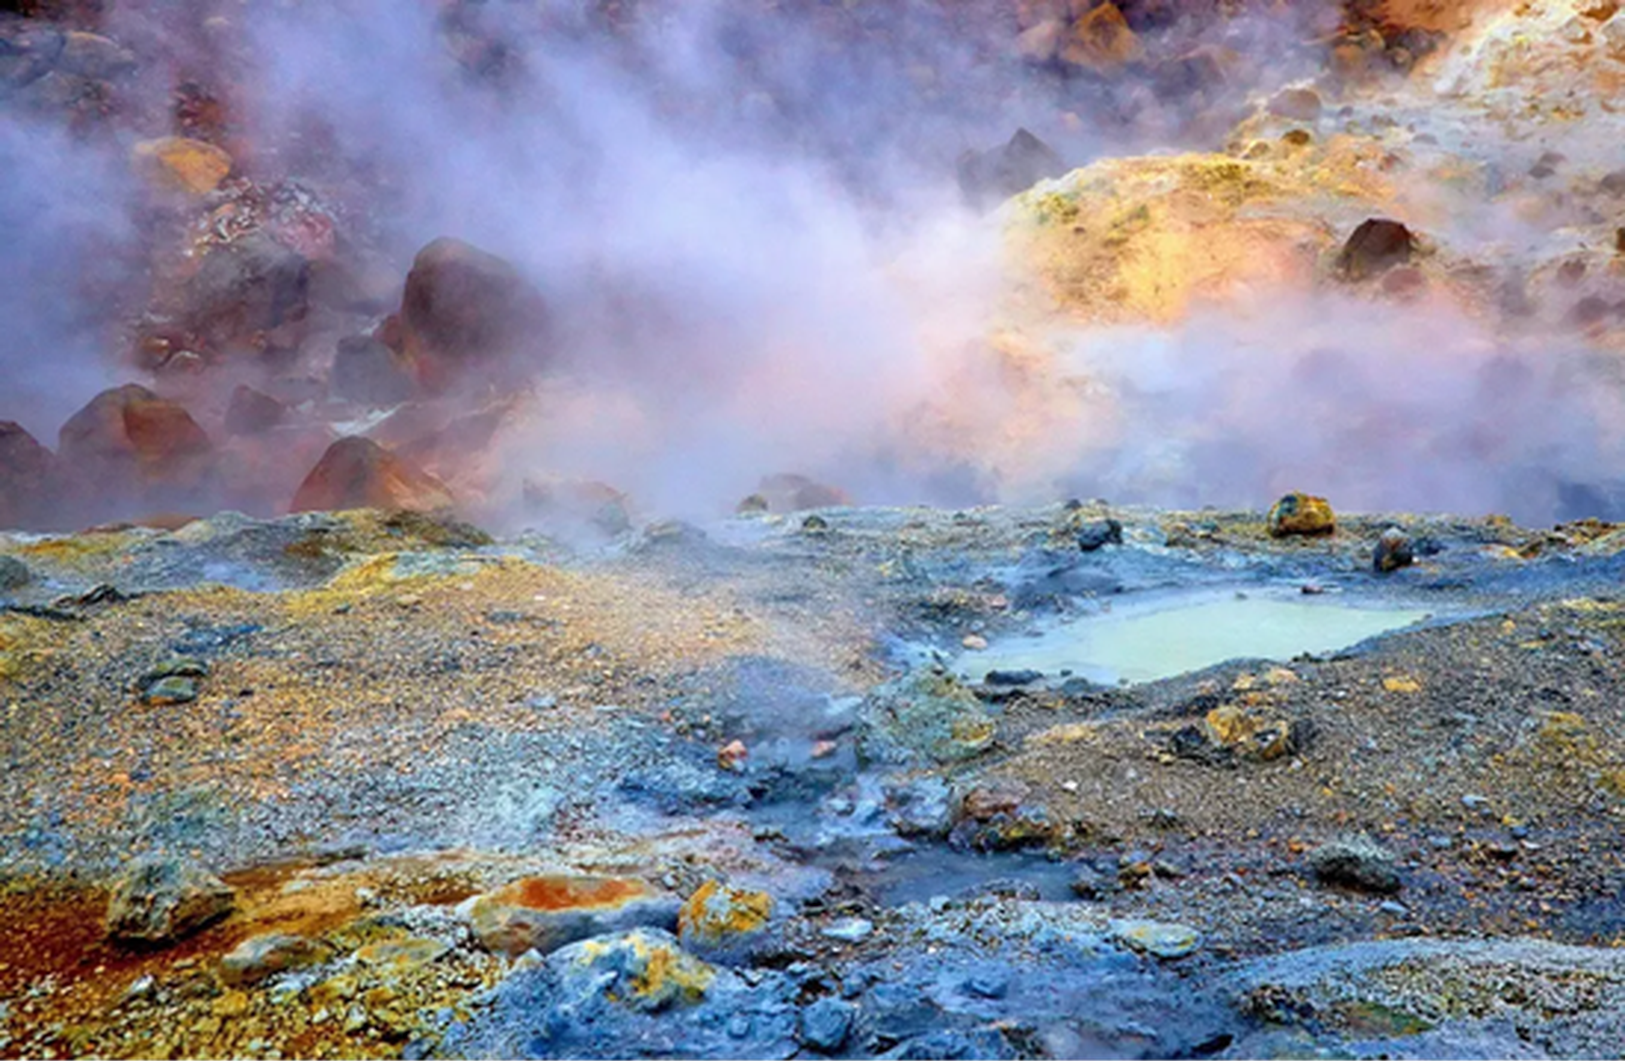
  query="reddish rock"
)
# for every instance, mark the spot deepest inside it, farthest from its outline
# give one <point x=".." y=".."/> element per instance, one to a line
<point x="466" y="312"/>
<point x="252" y="412"/>
<point x="546" y="913"/>
<point x="26" y="469"/>
<point x="128" y="444"/>
<point x="359" y="473"/>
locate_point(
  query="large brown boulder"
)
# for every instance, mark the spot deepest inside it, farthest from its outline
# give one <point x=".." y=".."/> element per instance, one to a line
<point x="128" y="444"/>
<point x="359" y="473"/>
<point x="26" y="469"/>
<point x="467" y="314"/>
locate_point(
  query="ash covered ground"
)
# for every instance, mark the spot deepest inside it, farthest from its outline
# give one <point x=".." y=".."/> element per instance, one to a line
<point x="801" y="529"/>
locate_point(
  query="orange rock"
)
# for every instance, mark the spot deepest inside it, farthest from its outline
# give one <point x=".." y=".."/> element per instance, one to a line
<point x="128" y="445"/>
<point x="175" y="163"/>
<point x="731" y="756"/>
<point x="359" y="473"/>
<point x="719" y="922"/>
<point x="1102" y="41"/>
<point x="547" y="912"/>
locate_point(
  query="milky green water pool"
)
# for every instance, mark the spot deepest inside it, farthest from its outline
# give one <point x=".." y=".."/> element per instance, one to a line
<point x="1147" y="642"/>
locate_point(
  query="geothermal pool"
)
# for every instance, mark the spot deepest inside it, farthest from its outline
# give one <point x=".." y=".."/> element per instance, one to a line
<point x="1148" y="641"/>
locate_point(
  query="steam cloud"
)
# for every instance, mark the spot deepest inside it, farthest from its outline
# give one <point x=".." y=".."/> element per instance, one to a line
<point x="748" y="229"/>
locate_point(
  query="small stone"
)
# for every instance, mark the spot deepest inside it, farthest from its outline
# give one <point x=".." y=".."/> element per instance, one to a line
<point x="732" y="756"/>
<point x="1396" y="909"/>
<point x="721" y="923"/>
<point x="402" y="954"/>
<point x="823" y="749"/>
<point x="1301" y="514"/>
<point x="848" y="929"/>
<point x="1393" y="551"/>
<point x="1356" y="862"/>
<point x="14" y="574"/>
<point x="1100" y="533"/>
<point x="172" y="689"/>
<point x="1156" y="938"/>
<point x="158" y="901"/>
<point x="1012" y="677"/>
<point x="974" y="642"/>
<point x="263" y="956"/>
<point x="826" y="1023"/>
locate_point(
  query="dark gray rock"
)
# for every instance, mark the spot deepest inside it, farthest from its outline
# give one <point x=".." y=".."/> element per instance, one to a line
<point x="14" y="574"/>
<point x="1356" y="862"/>
<point x="987" y="178"/>
<point x="826" y="1023"/>
<point x="1100" y="533"/>
<point x="254" y="284"/>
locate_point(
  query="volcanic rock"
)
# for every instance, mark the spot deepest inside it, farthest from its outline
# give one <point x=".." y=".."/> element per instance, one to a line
<point x="1393" y="551"/>
<point x="826" y="1023"/>
<point x="367" y="371"/>
<point x="14" y="574"/>
<point x="788" y="492"/>
<point x="1356" y="862"/>
<point x="1296" y="104"/>
<point x="252" y="412"/>
<point x="1156" y="938"/>
<point x="159" y="901"/>
<point x="128" y="443"/>
<point x="1100" y="533"/>
<point x="90" y="55"/>
<point x="251" y="285"/>
<point x="989" y="177"/>
<point x="1301" y="514"/>
<point x="546" y="913"/>
<point x="1102" y="41"/>
<point x="259" y="957"/>
<point x="464" y="309"/>
<point x="359" y="473"/>
<point x="923" y="717"/>
<point x="724" y="924"/>
<point x="1376" y="245"/>
<point x="26" y="469"/>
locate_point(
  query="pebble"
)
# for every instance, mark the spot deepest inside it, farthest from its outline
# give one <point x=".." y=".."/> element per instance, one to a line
<point x="1156" y="938"/>
<point x="826" y="1023"/>
<point x="849" y="929"/>
<point x="974" y="642"/>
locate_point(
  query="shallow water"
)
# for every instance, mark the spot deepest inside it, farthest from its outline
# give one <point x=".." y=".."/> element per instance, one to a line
<point x="1146" y="642"/>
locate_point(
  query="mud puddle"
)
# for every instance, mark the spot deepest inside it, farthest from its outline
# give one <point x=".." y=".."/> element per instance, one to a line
<point x="1154" y="639"/>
